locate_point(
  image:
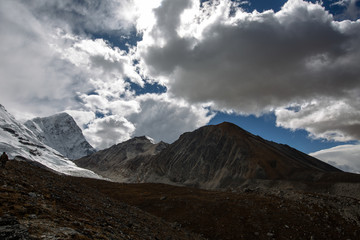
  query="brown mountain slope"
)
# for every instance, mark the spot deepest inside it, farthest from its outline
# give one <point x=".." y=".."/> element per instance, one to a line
<point x="225" y="155"/>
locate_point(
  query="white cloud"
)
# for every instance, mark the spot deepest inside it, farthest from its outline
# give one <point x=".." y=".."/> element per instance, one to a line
<point x="165" y="119"/>
<point x="125" y="107"/>
<point x="344" y="157"/>
<point x="161" y="117"/>
<point x="323" y="118"/>
<point x="82" y="118"/>
<point x="144" y="13"/>
<point x="98" y="59"/>
<point x="31" y="72"/>
<point x="107" y="131"/>
<point x="85" y="16"/>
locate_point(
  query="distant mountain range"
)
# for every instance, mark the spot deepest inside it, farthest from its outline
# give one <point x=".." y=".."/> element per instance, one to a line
<point x="216" y="156"/>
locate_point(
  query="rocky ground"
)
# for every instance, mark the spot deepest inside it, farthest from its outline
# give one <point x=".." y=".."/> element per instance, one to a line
<point x="38" y="204"/>
<point x="247" y="213"/>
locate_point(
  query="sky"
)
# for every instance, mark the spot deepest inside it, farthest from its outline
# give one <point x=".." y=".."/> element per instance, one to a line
<point x="287" y="71"/>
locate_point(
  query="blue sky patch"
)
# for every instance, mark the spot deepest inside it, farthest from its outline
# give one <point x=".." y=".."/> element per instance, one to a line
<point x="118" y="39"/>
<point x="265" y="127"/>
<point x="148" y="88"/>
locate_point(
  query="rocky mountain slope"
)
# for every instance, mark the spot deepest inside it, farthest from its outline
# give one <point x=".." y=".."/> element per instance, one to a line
<point x="121" y="162"/>
<point x="225" y="155"/>
<point x="38" y="204"/>
<point x="61" y="132"/>
<point x="19" y="142"/>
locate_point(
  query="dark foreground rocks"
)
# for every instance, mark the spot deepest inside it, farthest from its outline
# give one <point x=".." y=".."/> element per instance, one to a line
<point x="38" y="204"/>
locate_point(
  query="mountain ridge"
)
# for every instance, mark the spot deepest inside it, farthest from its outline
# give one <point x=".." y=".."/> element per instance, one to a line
<point x="214" y="156"/>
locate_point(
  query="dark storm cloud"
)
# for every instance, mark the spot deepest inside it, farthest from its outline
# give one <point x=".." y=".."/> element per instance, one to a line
<point x="262" y="60"/>
<point x="255" y="62"/>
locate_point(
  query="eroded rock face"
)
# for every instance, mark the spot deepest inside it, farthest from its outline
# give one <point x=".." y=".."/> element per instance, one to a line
<point x="225" y="155"/>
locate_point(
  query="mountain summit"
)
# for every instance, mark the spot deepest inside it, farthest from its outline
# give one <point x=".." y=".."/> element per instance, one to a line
<point x="61" y="132"/>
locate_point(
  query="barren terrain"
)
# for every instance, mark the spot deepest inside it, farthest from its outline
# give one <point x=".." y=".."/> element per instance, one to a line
<point x="39" y="204"/>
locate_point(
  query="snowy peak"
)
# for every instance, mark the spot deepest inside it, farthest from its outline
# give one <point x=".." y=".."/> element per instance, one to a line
<point x="61" y="132"/>
<point x="18" y="141"/>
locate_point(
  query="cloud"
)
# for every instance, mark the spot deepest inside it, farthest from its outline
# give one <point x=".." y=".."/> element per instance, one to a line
<point x="83" y="17"/>
<point x="82" y="118"/>
<point x="32" y="73"/>
<point x="298" y="62"/>
<point x="105" y="132"/>
<point x="165" y="119"/>
<point x="254" y="62"/>
<point x="337" y="120"/>
<point x="44" y="65"/>
<point x="344" y="157"/>
<point x="352" y="9"/>
<point x="159" y="116"/>
<point x="99" y="59"/>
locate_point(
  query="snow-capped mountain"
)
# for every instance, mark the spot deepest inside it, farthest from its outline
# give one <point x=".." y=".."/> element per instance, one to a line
<point x="61" y="132"/>
<point x="18" y="141"/>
